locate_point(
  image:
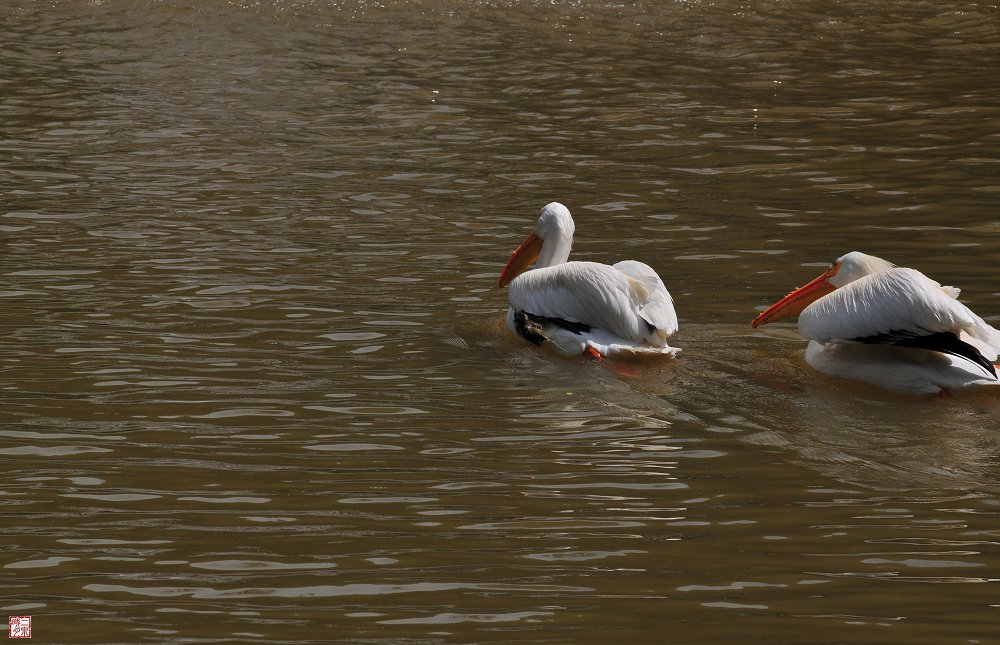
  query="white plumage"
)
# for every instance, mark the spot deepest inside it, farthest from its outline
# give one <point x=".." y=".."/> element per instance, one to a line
<point x="578" y="307"/>
<point x="892" y="327"/>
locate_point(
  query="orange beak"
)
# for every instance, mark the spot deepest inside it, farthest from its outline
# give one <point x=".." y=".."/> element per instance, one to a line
<point x="796" y="301"/>
<point x="521" y="259"/>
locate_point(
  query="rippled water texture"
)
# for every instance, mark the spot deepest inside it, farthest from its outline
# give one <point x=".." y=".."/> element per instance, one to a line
<point x="256" y="384"/>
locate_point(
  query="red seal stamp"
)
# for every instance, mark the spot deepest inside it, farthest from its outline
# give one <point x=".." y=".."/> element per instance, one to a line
<point x="19" y="626"/>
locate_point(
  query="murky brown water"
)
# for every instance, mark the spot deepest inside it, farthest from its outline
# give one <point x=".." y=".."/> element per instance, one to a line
<point x="256" y="385"/>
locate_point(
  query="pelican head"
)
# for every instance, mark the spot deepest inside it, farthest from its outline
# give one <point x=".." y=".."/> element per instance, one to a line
<point x="844" y="270"/>
<point x="549" y="243"/>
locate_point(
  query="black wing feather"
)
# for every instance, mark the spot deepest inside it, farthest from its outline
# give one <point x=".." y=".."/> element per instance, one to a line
<point x="945" y="342"/>
<point x="529" y="326"/>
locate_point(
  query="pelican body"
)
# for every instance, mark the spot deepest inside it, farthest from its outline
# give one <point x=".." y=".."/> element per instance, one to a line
<point x="889" y="326"/>
<point x="584" y="308"/>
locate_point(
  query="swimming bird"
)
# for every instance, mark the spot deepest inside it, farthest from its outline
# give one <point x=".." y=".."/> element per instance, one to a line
<point x="893" y="327"/>
<point x="584" y="308"/>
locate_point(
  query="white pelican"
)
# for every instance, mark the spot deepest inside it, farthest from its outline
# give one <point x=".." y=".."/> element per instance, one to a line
<point x="868" y="320"/>
<point x="584" y="308"/>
